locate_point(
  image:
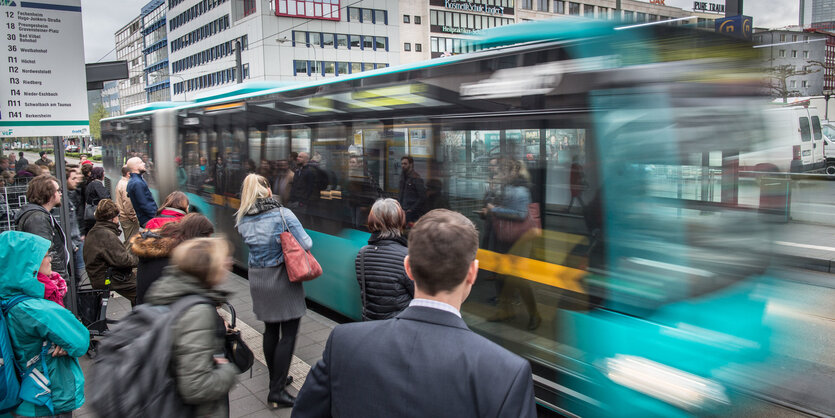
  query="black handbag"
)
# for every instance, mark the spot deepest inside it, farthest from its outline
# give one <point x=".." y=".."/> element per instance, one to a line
<point x="89" y="212"/>
<point x="236" y="350"/>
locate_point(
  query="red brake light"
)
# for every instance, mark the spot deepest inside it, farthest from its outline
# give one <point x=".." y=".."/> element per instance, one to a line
<point x="796" y="152"/>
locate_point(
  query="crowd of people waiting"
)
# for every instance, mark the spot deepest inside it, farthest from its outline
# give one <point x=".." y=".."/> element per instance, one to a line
<point x="159" y="255"/>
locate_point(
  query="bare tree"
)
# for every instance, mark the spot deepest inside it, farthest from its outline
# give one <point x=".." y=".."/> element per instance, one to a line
<point x="779" y="77"/>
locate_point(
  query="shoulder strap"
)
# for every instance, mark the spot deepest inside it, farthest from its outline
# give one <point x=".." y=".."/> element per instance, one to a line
<point x="10" y="303"/>
<point x="281" y="212"/>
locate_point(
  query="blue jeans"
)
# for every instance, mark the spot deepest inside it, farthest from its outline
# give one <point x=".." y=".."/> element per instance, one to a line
<point x="78" y="259"/>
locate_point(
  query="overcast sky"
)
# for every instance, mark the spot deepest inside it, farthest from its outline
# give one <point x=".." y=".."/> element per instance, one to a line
<point x="102" y="18"/>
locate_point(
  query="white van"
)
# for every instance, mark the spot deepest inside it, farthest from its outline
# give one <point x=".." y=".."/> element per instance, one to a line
<point x="795" y="145"/>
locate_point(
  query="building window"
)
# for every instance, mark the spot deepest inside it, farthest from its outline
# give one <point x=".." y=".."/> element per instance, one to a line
<point x="794" y="53"/>
<point x="310" y="9"/>
<point x="782" y="37"/>
<point x="368" y="42"/>
<point x="407" y="47"/>
<point x="249" y="7"/>
<point x="543" y="5"/>
<point x="805" y="54"/>
<point x="355" y="41"/>
<point x="406" y="19"/>
<point x="315" y="39"/>
<point x="433" y="45"/>
<point x="574" y="9"/>
<point x="804" y="83"/>
<point x="341" y="41"/>
<point x="327" y="40"/>
<point x="380" y="43"/>
<point x="559" y="7"/>
<point x="356" y="67"/>
<point x="793" y="84"/>
<point x="418" y="48"/>
<point x="603" y="12"/>
<point x="794" y="38"/>
<point x="417" y="20"/>
<point x="380" y="17"/>
<point x="640" y="17"/>
<point x="527" y="4"/>
<point x="367" y="16"/>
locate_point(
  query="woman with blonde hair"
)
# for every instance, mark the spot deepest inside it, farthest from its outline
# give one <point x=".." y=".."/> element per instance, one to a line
<point x="385" y="288"/>
<point x="204" y="376"/>
<point x="275" y="300"/>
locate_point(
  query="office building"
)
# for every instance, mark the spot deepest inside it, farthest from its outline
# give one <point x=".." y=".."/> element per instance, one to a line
<point x="155" y="51"/>
<point x="795" y="59"/>
<point x="129" y="45"/>
<point x="284" y="40"/>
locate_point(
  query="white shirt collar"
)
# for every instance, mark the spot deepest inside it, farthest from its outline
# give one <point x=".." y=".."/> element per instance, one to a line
<point x="434" y="304"/>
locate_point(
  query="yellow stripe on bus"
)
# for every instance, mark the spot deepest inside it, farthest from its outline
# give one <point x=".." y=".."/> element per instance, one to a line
<point x="534" y="270"/>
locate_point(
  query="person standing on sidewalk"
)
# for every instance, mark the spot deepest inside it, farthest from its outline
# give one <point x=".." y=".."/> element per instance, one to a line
<point x="412" y="191"/>
<point x="154" y="248"/>
<point x="106" y="256"/>
<point x="127" y="216"/>
<point x="139" y="193"/>
<point x="43" y="195"/>
<point x="93" y="194"/>
<point x="204" y="376"/>
<point x="21" y="163"/>
<point x="425" y="361"/>
<point x="36" y="320"/>
<point x="385" y="288"/>
<point x="173" y="209"/>
<point x="73" y="198"/>
<point x="275" y="300"/>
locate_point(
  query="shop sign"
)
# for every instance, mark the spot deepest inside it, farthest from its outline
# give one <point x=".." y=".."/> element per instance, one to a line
<point x="708" y="7"/>
<point x="472" y="7"/>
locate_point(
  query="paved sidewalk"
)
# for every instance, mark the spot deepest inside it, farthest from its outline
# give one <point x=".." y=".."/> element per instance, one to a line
<point x="248" y="398"/>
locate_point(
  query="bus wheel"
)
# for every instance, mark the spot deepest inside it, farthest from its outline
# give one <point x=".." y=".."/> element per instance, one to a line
<point x="830" y="170"/>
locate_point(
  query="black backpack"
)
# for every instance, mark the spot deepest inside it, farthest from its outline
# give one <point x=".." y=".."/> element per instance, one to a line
<point x="132" y="373"/>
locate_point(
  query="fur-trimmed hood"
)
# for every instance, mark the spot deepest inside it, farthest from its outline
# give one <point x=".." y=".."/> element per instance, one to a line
<point x="149" y="244"/>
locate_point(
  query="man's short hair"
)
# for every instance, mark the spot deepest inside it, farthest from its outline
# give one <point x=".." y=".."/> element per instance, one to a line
<point x="41" y="189"/>
<point x="20" y="154"/>
<point x="408" y="157"/>
<point x="69" y="172"/>
<point x="125" y="170"/>
<point x="442" y="245"/>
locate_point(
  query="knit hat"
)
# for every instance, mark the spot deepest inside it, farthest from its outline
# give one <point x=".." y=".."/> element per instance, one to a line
<point x="106" y="210"/>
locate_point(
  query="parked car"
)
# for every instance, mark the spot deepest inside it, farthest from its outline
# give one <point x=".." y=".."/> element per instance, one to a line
<point x="73" y="148"/>
<point x="95" y="151"/>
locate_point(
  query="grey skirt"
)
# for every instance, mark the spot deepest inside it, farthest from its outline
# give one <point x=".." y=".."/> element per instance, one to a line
<point x="274" y="297"/>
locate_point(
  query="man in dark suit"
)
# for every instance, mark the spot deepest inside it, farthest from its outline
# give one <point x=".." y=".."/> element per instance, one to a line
<point x="425" y="362"/>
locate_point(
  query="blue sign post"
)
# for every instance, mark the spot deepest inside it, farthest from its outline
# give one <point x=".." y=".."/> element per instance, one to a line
<point x="739" y="26"/>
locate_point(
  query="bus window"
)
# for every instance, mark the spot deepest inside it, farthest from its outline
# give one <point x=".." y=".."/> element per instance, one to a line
<point x="278" y="143"/>
<point x="301" y="139"/>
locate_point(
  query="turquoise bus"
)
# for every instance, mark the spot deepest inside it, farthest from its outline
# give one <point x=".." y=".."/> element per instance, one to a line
<point x="646" y="292"/>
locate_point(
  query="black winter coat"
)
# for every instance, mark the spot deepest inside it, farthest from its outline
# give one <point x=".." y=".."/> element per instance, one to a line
<point x="93" y="194"/>
<point x="154" y="252"/>
<point x="34" y="219"/>
<point x="385" y="290"/>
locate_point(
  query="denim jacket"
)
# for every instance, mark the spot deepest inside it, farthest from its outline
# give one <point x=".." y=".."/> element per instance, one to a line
<point x="261" y="227"/>
<point x="514" y="204"/>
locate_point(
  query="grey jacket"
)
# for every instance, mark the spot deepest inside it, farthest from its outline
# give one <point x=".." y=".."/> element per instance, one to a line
<point x="198" y="336"/>
<point x="34" y="219"/>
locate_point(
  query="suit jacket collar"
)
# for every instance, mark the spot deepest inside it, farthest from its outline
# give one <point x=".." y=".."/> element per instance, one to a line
<point x="432" y="316"/>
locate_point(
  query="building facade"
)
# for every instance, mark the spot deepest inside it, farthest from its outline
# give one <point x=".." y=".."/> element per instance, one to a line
<point x="129" y="45"/>
<point x="796" y="60"/>
<point x="155" y="51"/>
<point x="280" y="40"/>
<point x="110" y="98"/>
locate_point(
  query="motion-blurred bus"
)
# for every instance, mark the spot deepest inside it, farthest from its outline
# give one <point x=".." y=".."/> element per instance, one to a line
<point x="648" y="290"/>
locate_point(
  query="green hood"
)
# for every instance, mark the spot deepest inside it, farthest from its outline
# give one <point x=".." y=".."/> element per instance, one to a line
<point x="174" y="284"/>
<point x="19" y="263"/>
